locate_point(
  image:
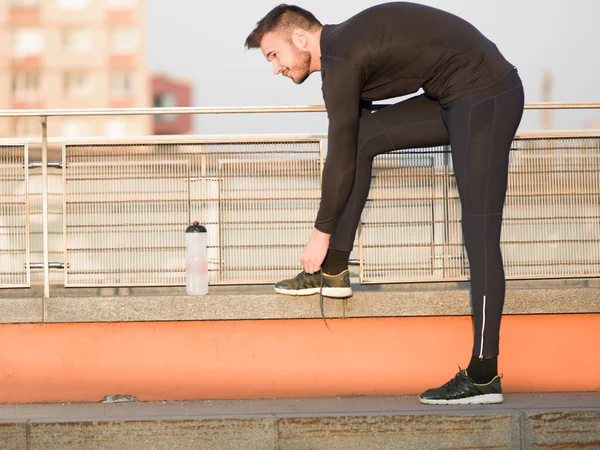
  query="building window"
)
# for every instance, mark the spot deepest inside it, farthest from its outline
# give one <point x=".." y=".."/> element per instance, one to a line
<point x="121" y="84"/>
<point x="74" y="128"/>
<point x="72" y="4"/>
<point x="77" y="85"/>
<point x="124" y="40"/>
<point x="121" y="4"/>
<point x="116" y="127"/>
<point x="27" y="127"/>
<point x="23" y="4"/>
<point x="165" y="100"/>
<point x="78" y="40"/>
<point x="26" y="85"/>
<point x="28" y="42"/>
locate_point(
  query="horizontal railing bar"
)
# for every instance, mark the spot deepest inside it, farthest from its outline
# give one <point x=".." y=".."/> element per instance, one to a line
<point x="365" y="281"/>
<point x="163" y="224"/>
<point x="180" y="200"/>
<point x="432" y="245"/>
<point x="38" y="164"/>
<point x="264" y="138"/>
<point x="159" y="111"/>
<point x="563" y="105"/>
<point x="51" y="265"/>
<point x="190" y="139"/>
<point x="458" y="267"/>
<point x="176" y="248"/>
<point x="233" y="110"/>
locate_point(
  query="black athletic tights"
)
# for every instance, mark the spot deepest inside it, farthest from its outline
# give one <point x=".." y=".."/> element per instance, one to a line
<point x="480" y="128"/>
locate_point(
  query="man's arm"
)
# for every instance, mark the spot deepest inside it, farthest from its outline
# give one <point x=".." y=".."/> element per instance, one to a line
<point x="342" y="86"/>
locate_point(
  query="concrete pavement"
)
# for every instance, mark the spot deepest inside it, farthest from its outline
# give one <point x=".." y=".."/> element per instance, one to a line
<point x="523" y="421"/>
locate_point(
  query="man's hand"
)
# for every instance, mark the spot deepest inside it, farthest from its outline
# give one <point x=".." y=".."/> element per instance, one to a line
<point x="314" y="253"/>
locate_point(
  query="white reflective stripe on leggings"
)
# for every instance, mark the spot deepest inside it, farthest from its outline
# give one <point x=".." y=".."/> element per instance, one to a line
<point x="482" y="330"/>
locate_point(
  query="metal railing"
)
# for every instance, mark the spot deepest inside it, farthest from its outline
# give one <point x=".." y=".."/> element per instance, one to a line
<point x="14" y="216"/>
<point x="411" y="228"/>
<point x="126" y="208"/>
<point x="114" y="210"/>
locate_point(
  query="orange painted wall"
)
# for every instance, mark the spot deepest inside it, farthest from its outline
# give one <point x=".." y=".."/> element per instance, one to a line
<point x="285" y="358"/>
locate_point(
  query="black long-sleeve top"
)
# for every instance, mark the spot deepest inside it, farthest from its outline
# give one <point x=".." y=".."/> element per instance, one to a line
<point x="388" y="51"/>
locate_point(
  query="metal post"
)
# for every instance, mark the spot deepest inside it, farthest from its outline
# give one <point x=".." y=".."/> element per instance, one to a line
<point x="45" y="203"/>
<point x="219" y="221"/>
<point x="446" y="248"/>
<point x="361" y="256"/>
<point x="433" y="235"/>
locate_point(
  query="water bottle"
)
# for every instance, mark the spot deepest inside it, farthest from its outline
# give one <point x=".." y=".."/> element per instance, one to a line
<point x="196" y="260"/>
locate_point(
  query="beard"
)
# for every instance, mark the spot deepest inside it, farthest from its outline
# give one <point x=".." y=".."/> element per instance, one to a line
<point x="302" y="68"/>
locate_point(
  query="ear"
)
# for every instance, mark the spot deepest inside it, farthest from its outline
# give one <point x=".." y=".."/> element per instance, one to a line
<point x="300" y="38"/>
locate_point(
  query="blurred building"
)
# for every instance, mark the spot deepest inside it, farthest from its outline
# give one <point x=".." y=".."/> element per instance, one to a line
<point x="593" y="124"/>
<point x="547" y="114"/>
<point x="74" y="54"/>
<point x="171" y="92"/>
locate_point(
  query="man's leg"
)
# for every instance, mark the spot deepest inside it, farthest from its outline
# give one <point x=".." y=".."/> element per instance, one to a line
<point x="482" y="126"/>
<point x="414" y="123"/>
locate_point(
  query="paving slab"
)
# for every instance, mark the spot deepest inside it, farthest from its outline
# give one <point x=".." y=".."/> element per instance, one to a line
<point x="547" y="420"/>
<point x="13" y="436"/>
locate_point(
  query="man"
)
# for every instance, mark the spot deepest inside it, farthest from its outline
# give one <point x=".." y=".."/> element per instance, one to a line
<point x="473" y="100"/>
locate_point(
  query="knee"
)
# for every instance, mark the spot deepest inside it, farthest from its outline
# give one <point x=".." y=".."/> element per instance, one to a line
<point x="372" y="139"/>
<point x="365" y="131"/>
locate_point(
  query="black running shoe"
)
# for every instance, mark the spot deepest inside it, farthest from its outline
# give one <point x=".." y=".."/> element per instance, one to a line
<point x="334" y="286"/>
<point x="462" y="390"/>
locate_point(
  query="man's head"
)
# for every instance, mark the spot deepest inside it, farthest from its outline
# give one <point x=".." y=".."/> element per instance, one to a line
<point x="289" y="38"/>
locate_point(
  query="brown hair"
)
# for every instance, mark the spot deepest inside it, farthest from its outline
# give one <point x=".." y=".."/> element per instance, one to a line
<point x="282" y="17"/>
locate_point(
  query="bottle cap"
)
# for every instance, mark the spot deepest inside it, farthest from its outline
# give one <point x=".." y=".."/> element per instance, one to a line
<point x="195" y="228"/>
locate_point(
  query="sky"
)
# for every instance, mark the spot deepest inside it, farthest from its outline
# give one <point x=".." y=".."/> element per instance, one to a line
<point x="204" y="41"/>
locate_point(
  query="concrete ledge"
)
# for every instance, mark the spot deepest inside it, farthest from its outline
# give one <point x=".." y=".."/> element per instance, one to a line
<point x="272" y="306"/>
<point x="261" y="302"/>
<point x="21" y="310"/>
<point x="570" y="420"/>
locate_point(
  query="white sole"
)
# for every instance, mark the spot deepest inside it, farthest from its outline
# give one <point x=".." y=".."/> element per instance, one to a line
<point x="327" y="292"/>
<point x="476" y="400"/>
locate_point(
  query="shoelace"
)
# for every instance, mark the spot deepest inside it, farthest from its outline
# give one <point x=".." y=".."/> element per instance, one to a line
<point x="322" y="302"/>
<point x="304" y="277"/>
<point x="458" y="378"/>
